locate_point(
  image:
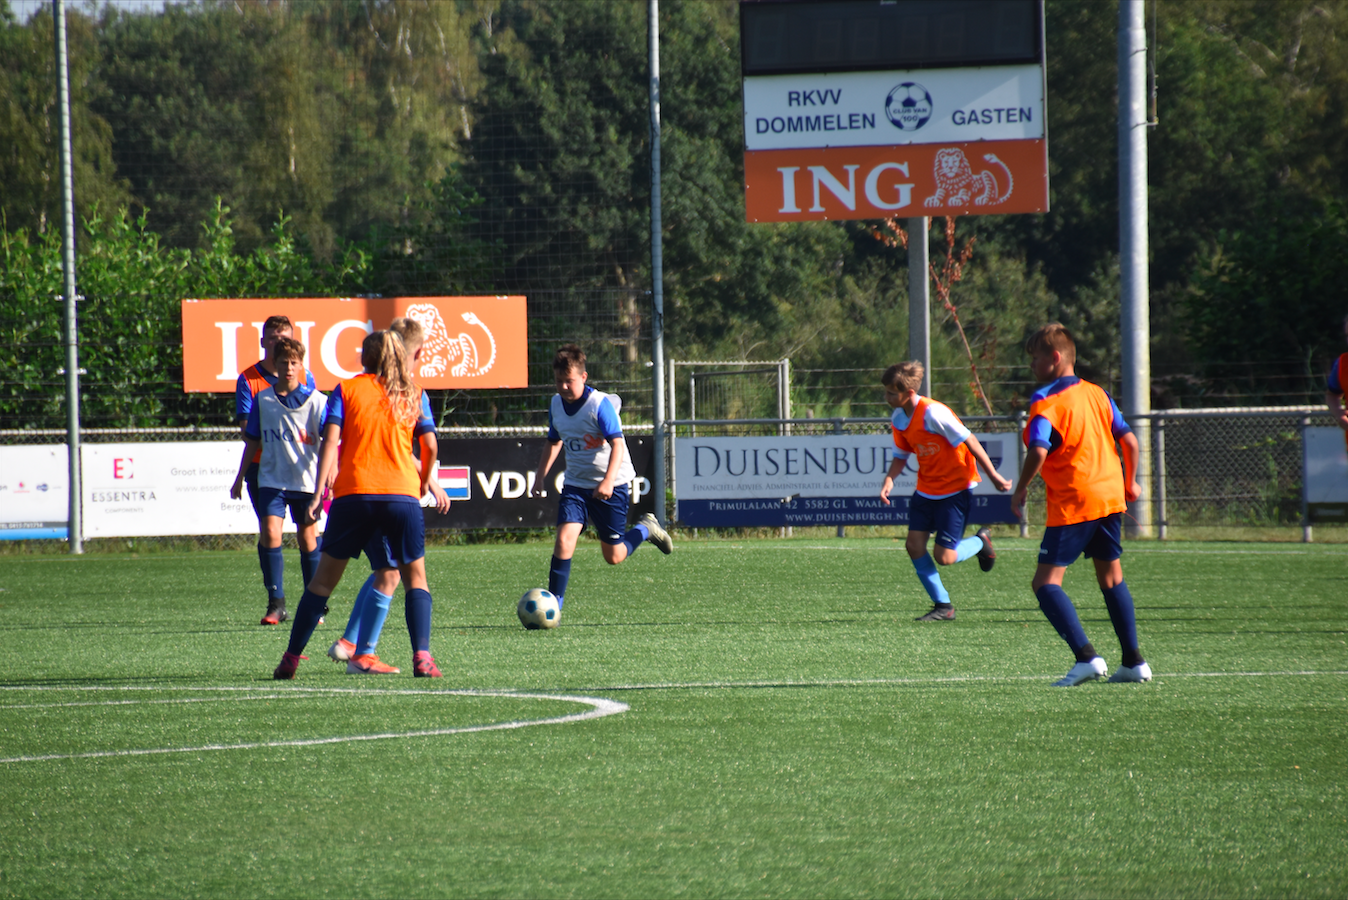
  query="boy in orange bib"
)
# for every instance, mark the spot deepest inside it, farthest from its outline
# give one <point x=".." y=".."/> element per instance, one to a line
<point x="1069" y="440"/>
<point x="946" y="452"/>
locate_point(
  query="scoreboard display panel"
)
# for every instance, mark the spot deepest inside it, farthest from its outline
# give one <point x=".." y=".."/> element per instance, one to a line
<point x="850" y="35"/>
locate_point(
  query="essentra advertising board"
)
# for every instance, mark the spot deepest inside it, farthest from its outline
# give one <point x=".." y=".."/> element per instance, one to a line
<point x="812" y="480"/>
<point x="471" y="342"/>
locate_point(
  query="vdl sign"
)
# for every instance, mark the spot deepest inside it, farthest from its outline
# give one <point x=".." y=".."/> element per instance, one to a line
<point x="862" y="109"/>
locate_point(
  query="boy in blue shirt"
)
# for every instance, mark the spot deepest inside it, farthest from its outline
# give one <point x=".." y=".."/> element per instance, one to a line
<point x="598" y="472"/>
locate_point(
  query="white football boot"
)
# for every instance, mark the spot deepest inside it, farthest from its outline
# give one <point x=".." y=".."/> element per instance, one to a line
<point x="1083" y="671"/>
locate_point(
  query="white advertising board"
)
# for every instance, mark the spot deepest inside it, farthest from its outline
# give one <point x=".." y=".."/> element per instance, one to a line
<point x="1326" y="475"/>
<point x="34" y="492"/>
<point x="842" y="465"/>
<point x="867" y="109"/>
<point x="145" y="490"/>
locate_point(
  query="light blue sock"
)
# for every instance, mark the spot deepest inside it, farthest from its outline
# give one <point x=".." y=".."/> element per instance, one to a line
<point x="372" y="621"/>
<point x="931" y="579"/>
<point x="967" y="548"/>
<point x="352" y="632"/>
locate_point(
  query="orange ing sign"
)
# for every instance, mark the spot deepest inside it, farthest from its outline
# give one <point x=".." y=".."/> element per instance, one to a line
<point x="471" y="342"/>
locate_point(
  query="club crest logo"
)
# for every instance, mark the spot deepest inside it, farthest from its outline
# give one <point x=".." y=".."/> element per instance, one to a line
<point x="909" y="106"/>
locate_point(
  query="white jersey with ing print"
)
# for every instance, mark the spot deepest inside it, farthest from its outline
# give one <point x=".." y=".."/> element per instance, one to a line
<point x="290" y="430"/>
<point x="585" y="430"/>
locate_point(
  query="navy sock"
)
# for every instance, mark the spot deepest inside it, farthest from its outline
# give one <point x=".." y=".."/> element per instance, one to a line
<point x="558" y="575"/>
<point x="634" y="537"/>
<point x="417" y="608"/>
<point x="1062" y="615"/>
<point x="273" y="564"/>
<point x="1119" y="602"/>
<point x="311" y="609"/>
<point x="309" y="564"/>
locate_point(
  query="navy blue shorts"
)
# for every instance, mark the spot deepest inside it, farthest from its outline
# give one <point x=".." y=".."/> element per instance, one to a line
<point x="250" y="480"/>
<point x="354" y="520"/>
<point x="1098" y="539"/>
<point x="275" y="502"/>
<point x="945" y="517"/>
<point x="376" y="551"/>
<point x="609" y="516"/>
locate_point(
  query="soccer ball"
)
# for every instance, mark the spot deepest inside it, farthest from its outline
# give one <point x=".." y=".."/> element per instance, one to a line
<point x="908" y="106"/>
<point x="538" y="609"/>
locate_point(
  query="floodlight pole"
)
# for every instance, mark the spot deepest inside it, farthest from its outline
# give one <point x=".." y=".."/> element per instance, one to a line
<point x="74" y="526"/>
<point x="657" y="268"/>
<point x="919" y="299"/>
<point x="1135" y="323"/>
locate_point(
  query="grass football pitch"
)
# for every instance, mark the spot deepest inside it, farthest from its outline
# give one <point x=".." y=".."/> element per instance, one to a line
<point x="742" y="718"/>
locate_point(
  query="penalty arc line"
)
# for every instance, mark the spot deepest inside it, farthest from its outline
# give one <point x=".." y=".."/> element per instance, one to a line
<point x="600" y="708"/>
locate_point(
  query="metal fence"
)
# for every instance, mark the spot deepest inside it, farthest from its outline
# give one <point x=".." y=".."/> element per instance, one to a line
<point x="1217" y="473"/>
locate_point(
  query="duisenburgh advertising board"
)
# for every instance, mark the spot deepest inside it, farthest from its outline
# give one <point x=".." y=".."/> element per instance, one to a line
<point x="812" y="480"/>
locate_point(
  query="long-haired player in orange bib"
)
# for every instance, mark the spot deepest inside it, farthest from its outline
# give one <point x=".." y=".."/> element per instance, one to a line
<point x="1069" y="440"/>
<point x="366" y="461"/>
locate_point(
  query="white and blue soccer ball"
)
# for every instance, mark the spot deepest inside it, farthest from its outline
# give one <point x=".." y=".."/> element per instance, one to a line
<point x="909" y="106"/>
<point x="539" y="609"/>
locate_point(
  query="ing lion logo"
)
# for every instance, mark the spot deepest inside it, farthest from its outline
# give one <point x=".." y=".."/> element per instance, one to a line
<point x="956" y="181"/>
<point x="441" y="353"/>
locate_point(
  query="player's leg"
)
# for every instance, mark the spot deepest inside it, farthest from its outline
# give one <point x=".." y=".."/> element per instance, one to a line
<point x="264" y="556"/>
<point x="951" y="545"/>
<point x="402" y="525"/>
<point x="306" y="531"/>
<point x="1106" y="550"/>
<point x="349" y="527"/>
<point x="571" y="515"/>
<point x="272" y="508"/>
<point x="1060" y="547"/>
<point x="616" y="540"/>
<point x="371" y="607"/>
<point x="921" y="523"/>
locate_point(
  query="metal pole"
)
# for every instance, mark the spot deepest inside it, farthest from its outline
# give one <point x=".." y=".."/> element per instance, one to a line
<point x="919" y="300"/>
<point x="75" y="526"/>
<point x="657" y="264"/>
<point x="1306" y="534"/>
<point x="1135" y="320"/>
<point x="1162" y="514"/>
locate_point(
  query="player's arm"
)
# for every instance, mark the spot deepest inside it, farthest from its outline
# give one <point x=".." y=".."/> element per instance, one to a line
<point x="617" y="448"/>
<point x="430" y="455"/>
<point x="545" y="461"/>
<point x="250" y="447"/>
<point x="1034" y="461"/>
<point x="984" y="463"/>
<point x="896" y="465"/>
<point x="327" y="466"/>
<point x="1131" y="449"/>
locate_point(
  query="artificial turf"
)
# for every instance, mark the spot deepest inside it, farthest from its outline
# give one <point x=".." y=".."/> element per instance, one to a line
<point x="790" y="731"/>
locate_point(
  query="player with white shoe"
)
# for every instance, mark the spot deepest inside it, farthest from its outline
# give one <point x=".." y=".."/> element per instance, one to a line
<point x="1069" y="441"/>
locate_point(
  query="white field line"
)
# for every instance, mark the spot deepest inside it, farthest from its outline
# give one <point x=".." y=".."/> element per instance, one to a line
<point x="947" y="679"/>
<point x="599" y="707"/>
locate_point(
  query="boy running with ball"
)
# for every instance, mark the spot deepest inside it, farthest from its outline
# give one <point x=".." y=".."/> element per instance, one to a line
<point x="947" y="453"/>
<point x="1070" y="442"/>
<point x="598" y="472"/>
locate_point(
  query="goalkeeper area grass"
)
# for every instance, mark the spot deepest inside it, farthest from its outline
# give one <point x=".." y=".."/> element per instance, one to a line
<point x="742" y="718"/>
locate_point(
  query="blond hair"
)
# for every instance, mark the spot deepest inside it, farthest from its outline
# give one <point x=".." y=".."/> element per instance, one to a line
<point x="905" y="375"/>
<point x="411" y="332"/>
<point x="1053" y="337"/>
<point x="382" y="354"/>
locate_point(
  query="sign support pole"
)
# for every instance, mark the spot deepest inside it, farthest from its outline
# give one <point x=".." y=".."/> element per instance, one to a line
<point x="919" y="299"/>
